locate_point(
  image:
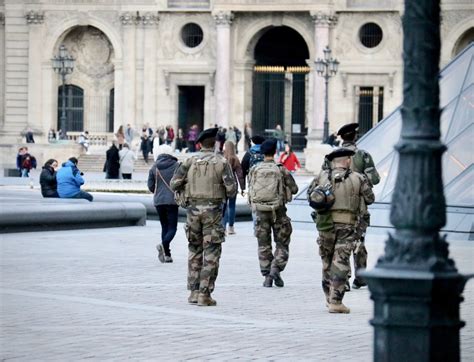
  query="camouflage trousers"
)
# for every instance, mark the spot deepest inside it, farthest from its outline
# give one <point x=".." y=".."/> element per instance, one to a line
<point x="205" y="234"/>
<point x="265" y="222"/>
<point x="335" y="250"/>
<point x="359" y="250"/>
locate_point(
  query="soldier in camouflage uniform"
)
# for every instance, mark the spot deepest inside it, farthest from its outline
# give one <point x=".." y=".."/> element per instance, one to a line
<point x="362" y="163"/>
<point x="206" y="180"/>
<point x="270" y="187"/>
<point x="337" y="223"/>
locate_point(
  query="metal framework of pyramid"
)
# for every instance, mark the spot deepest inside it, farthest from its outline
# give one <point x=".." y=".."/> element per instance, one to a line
<point x="457" y="133"/>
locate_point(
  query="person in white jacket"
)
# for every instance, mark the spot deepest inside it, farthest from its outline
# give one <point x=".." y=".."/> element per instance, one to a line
<point x="127" y="159"/>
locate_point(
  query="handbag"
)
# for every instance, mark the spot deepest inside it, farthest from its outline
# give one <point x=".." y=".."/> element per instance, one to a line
<point x="179" y="197"/>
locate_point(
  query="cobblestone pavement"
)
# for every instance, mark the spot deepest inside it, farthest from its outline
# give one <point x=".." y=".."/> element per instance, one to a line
<point x="102" y="295"/>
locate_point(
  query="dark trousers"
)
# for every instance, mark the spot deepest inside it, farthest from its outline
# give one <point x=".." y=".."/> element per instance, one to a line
<point x="127" y="176"/>
<point x="169" y="223"/>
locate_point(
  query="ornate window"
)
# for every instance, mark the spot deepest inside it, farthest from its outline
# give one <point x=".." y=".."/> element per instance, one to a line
<point x="192" y="35"/>
<point x="370" y="35"/>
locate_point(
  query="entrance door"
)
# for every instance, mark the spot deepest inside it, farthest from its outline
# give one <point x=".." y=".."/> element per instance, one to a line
<point x="74" y="108"/>
<point x="190" y="107"/>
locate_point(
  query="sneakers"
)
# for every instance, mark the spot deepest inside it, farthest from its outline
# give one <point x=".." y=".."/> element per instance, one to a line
<point x="338" y="308"/>
<point x="268" y="283"/>
<point x="168" y="259"/>
<point x="275" y="274"/>
<point x="231" y="230"/>
<point x="347" y="287"/>
<point x="193" y="297"/>
<point x="161" y="253"/>
<point x="358" y="284"/>
<point x="205" y="300"/>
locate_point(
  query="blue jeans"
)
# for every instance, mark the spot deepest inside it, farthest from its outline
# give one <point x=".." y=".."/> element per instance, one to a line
<point x="83" y="195"/>
<point x="25" y="172"/>
<point x="229" y="212"/>
<point x="169" y="224"/>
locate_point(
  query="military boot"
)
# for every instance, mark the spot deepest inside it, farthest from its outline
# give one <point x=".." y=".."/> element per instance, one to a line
<point x="275" y="274"/>
<point x="338" y="308"/>
<point x="268" y="283"/>
<point x="193" y="297"/>
<point x="205" y="300"/>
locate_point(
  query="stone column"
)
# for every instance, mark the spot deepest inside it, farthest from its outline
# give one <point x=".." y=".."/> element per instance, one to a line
<point x="127" y="107"/>
<point x="35" y="121"/>
<point x="2" y="69"/>
<point x="139" y="75"/>
<point x="415" y="286"/>
<point x="150" y="22"/>
<point x="315" y="151"/>
<point x="222" y="90"/>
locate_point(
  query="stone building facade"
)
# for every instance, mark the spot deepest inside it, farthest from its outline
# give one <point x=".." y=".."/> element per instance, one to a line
<point x="180" y="62"/>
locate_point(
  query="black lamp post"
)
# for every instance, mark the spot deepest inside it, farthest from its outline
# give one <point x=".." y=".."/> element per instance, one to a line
<point x="326" y="68"/>
<point x="63" y="64"/>
<point x="415" y="286"/>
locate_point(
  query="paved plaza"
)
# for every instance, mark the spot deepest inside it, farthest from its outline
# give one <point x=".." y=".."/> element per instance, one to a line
<point x="102" y="294"/>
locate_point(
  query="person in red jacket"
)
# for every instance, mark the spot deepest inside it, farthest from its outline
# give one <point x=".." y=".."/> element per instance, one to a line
<point x="289" y="159"/>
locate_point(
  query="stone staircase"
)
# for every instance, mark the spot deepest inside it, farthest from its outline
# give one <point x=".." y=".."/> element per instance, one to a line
<point x="95" y="162"/>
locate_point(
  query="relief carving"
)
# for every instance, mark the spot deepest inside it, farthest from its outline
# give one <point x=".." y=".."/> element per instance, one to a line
<point x="34" y="17"/>
<point x="92" y="50"/>
<point x="324" y="19"/>
<point x="223" y="18"/>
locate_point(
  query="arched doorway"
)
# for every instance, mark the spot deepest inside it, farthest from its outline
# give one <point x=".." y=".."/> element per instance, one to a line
<point x="279" y="84"/>
<point x="74" y="108"/>
<point x="466" y="38"/>
<point x="94" y="73"/>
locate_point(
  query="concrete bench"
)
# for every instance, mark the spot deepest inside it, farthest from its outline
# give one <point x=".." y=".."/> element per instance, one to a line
<point x="59" y="214"/>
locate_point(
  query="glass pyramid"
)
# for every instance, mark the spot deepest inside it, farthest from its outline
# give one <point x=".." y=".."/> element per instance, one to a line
<point x="457" y="133"/>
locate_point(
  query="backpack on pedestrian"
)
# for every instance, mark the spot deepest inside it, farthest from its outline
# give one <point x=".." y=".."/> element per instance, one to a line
<point x="255" y="158"/>
<point x="267" y="190"/>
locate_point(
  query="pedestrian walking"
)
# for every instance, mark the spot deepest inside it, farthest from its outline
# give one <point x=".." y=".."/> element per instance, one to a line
<point x="238" y="136"/>
<point x="26" y="162"/>
<point x="289" y="159"/>
<point x="229" y="206"/>
<point x="271" y="186"/>
<point x="120" y="136"/>
<point x="127" y="161"/>
<point x="112" y="162"/>
<point x="48" y="182"/>
<point x="336" y="194"/>
<point x="51" y="135"/>
<point x="129" y="135"/>
<point x="206" y="179"/>
<point x="280" y="136"/>
<point x="180" y="141"/>
<point x="169" y="135"/>
<point x="253" y="156"/>
<point x="84" y="141"/>
<point x="70" y="180"/>
<point x="145" y="146"/>
<point x="159" y="178"/>
<point x="362" y="163"/>
<point x="192" y="138"/>
<point x="248" y="136"/>
<point x="220" y="139"/>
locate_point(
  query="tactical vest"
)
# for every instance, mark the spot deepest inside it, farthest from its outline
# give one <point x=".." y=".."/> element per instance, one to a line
<point x="267" y="191"/>
<point x="346" y="188"/>
<point x="204" y="178"/>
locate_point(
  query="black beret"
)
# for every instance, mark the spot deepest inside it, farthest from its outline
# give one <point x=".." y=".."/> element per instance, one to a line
<point x="347" y="129"/>
<point x="207" y="133"/>
<point x="258" y="140"/>
<point x="340" y="152"/>
<point x="269" y="146"/>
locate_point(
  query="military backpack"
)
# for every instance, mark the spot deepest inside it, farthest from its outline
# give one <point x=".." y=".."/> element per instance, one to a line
<point x="204" y="178"/>
<point x="267" y="191"/>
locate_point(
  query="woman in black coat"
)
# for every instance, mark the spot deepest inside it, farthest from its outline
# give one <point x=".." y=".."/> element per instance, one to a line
<point x="49" y="186"/>
<point x="112" y="163"/>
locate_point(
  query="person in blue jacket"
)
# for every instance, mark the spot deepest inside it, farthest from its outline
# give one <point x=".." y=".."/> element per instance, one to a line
<point x="69" y="180"/>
